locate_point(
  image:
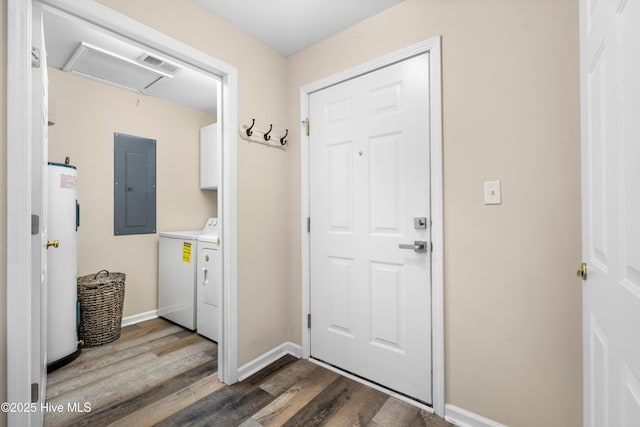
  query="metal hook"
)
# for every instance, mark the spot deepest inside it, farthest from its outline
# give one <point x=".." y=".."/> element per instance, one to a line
<point x="267" y="137"/>
<point x="249" y="131"/>
<point x="282" y="141"/>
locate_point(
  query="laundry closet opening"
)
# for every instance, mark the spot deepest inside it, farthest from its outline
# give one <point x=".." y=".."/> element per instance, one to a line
<point x="101" y="86"/>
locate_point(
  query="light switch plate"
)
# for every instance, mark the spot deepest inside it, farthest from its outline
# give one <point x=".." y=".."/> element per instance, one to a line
<point x="492" y="194"/>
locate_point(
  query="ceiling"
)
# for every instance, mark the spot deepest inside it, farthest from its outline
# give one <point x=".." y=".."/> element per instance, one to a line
<point x="187" y="87"/>
<point x="289" y="26"/>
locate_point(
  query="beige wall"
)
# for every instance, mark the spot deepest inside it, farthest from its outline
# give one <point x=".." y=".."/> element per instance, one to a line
<point x="511" y="112"/>
<point x="263" y="181"/>
<point x="3" y="208"/>
<point x="87" y="115"/>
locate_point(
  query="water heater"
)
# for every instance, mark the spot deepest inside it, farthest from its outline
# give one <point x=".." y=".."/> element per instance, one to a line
<point x="62" y="225"/>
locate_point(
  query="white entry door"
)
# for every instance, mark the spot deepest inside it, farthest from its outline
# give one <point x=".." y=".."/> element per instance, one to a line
<point x="370" y="227"/>
<point x="610" y="100"/>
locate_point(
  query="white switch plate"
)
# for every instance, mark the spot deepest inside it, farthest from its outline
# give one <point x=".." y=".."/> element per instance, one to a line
<point x="492" y="195"/>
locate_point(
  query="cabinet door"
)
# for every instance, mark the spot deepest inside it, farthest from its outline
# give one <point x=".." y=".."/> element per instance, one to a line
<point x="209" y="157"/>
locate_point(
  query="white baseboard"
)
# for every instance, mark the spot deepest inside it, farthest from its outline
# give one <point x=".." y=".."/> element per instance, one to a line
<point x="463" y="418"/>
<point x="140" y="317"/>
<point x="260" y="362"/>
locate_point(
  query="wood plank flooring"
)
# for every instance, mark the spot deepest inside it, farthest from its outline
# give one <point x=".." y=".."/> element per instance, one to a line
<point x="158" y="374"/>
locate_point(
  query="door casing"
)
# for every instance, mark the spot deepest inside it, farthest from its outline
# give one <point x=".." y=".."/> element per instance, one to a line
<point x="433" y="48"/>
<point x="19" y="171"/>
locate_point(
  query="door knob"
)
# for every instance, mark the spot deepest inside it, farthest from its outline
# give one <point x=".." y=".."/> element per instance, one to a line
<point x="55" y="244"/>
<point x="582" y="271"/>
<point x="418" y="246"/>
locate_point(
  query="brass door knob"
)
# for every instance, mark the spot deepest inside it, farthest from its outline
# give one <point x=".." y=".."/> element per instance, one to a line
<point x="582" y="271"/>
<point x="55" y="244"/>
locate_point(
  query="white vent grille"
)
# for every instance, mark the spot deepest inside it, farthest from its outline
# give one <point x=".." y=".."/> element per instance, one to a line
<point x="99" y="64"/>
<point x="159" y="63"/>
<point x="152" y="60"/>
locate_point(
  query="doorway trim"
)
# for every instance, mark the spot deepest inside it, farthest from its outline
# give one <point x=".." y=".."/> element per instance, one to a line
<point x="433" y="48"/>
<point x="19" y="142"/>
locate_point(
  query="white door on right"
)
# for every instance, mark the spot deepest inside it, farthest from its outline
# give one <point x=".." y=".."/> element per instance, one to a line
<point x="370" y="227"/>
<point x="610" y="115"/>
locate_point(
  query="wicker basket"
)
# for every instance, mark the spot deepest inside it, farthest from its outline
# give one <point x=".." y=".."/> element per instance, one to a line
<point x="101" y="297"/>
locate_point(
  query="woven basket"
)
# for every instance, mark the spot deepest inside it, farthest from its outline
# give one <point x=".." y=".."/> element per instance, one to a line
<point x="101" y="297"/>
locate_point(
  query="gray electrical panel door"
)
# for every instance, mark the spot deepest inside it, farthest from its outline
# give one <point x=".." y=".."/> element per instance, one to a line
<point x="134" y="189"/>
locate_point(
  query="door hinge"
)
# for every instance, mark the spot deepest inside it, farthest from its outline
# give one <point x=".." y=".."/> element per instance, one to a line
<point x="306" y="125"/>
<point x="35" y="395"/>
<point x="308" y="224"/>
<point x="309" y="321"/>
<point x="35" y="57"/>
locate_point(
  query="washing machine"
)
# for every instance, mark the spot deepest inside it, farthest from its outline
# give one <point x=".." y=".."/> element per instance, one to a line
<point x="209" y="285"/>
<point x="177" y="267"/>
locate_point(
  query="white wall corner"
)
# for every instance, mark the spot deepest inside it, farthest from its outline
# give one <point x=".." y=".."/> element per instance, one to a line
<point x="261" y="362"/>
<point x="463" y="418"/>
<point x="140" y="317"/>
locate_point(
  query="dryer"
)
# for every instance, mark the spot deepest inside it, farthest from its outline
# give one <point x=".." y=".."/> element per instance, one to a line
<point x="209" y="286"/>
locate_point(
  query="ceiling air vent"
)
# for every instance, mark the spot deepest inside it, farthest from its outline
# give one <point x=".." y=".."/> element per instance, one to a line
<point x="159" y="63"/>
<point x="107" y="67"/>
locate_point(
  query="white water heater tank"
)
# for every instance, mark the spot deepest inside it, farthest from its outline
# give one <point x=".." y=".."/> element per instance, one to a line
<point x="62" y="224"/>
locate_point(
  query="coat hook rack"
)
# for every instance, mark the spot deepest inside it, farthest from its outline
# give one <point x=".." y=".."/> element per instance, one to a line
<point x="267" y="137"/>
<point x="248" y="133"/>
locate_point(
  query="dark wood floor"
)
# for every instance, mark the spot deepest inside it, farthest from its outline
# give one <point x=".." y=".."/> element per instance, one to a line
<point x="159" y="374"/>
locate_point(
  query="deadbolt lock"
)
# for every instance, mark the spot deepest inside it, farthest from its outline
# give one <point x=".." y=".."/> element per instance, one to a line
<point x="420" y="223"/>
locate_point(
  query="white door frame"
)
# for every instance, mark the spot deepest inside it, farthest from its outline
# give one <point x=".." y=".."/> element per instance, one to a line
<point x="19" y="142"/>
<point x="432" y="47"/>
